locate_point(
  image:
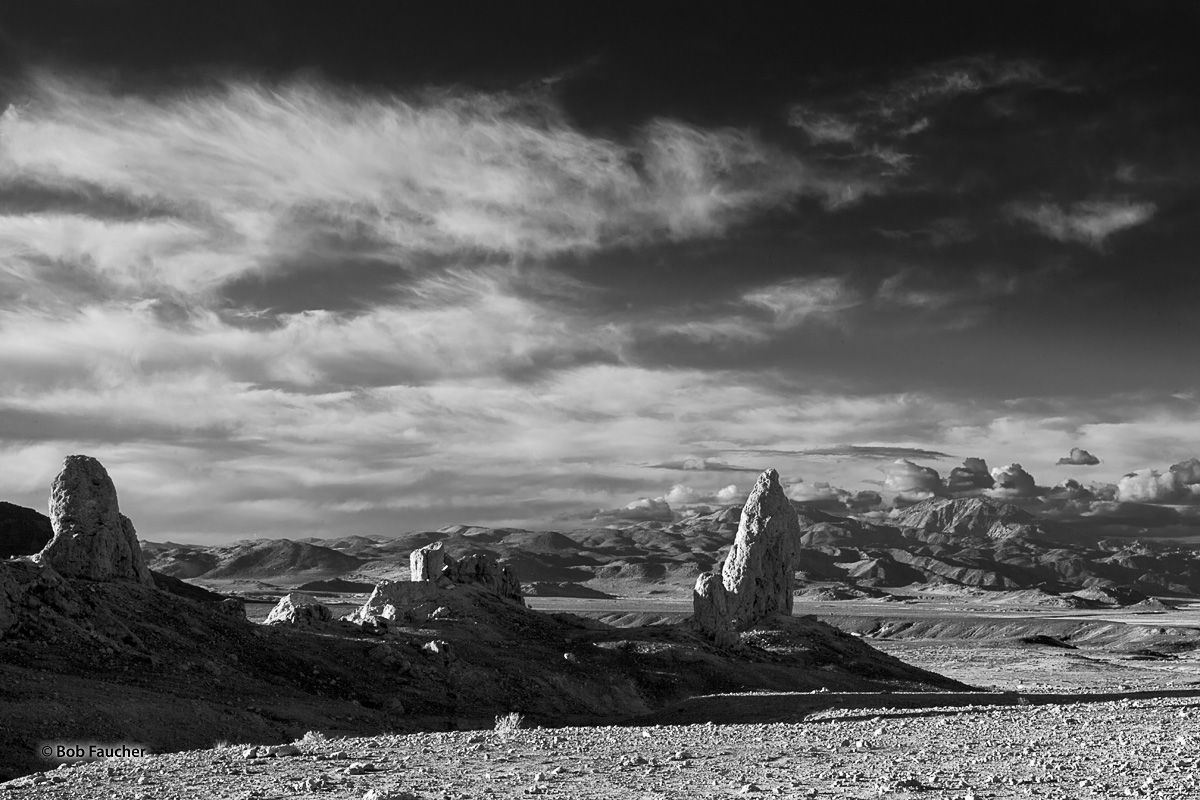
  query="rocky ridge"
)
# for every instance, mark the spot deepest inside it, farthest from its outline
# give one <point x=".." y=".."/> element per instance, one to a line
<point x="983" y="544"/>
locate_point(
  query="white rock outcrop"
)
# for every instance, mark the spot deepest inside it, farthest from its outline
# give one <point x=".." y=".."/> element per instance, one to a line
<point x="298" y="608"/>
<point x="432" y="564"/>
<point x="92" y="539"/>
<point x="756" y="580"/>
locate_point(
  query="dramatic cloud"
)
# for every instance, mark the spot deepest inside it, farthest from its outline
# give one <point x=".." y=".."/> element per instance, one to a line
<point x="1079" y="457"/>
<point x="1089" y="222"/>
<point x="911" y="482"/>
<point x="971" y="478"/>
<point x="1178" y="485"/>
<point x="239" y="179"/>
<point x="1012" y="483"/>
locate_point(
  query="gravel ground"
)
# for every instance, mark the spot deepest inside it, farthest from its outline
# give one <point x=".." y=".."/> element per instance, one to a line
<point x="1146" y="747"/>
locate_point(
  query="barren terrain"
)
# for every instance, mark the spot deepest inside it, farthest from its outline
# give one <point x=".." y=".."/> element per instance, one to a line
<point x="812" y="747"/>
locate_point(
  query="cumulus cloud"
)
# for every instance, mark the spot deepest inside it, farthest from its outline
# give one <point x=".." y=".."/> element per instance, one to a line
<point x="1070" y="489"/>
<point x="911" y="482"/>
<point x="1177" y="486"/>
<point x="818" y="494"/>
<point x="971" y="478"/>
<point x="644" y="509"/>
<point x="729" y="494"/>
<point x="1080" y="458"/>
<point x="681" y="495"/>
<point x="1188" y="471"/>
<point x="1089" y="222"/>
<point x="1012" y="482"/>
<point x="864" y="501"/>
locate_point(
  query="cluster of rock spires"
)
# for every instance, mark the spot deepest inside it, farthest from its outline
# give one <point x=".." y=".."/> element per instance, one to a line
<point x="756" y="580"/>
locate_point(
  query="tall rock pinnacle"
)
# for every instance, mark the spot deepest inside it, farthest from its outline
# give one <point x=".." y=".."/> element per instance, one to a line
<point x="92" y="539"/>
<point x="757" y="578"/>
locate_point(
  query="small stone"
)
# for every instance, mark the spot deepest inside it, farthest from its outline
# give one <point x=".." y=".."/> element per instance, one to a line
<point x="280" y="750"/>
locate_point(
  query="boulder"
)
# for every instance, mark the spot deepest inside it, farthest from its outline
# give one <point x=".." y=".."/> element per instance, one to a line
<point x="92" y="538"/>
<point x="298" y="608"/>
<point x="758" y="577"/>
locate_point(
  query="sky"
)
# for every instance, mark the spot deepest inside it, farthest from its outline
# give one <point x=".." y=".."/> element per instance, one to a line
<point x="318" y="269"/>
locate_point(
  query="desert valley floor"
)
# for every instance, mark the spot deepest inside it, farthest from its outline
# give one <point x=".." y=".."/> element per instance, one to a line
<point x="1117" y="714"/>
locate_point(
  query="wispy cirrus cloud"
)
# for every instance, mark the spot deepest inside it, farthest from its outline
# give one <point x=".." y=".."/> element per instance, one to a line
<point x="1089" y="222"/>
<point x="243" y="176"/>
<point x="874" y="123"/>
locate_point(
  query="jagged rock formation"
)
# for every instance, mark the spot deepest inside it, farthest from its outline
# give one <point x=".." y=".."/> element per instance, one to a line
<point x="92" y="538"/>
<point x="23" y="531"/>
<point x="298" y="608"/>
<point x="968" y="515"/>
<point x="434" y="565"/>
<point x="758" y="577"/>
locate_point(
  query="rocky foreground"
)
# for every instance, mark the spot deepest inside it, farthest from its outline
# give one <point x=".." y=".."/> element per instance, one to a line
<point x="1144" y="747"/>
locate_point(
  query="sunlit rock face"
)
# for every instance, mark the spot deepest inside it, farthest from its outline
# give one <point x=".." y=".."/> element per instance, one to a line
<point x="756" y="580"/>
<point x="92" y="539"/>
<point x="433" y="564"/>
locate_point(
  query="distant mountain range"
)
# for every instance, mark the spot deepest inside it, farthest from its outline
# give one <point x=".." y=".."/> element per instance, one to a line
<point x="973" y="542"/>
